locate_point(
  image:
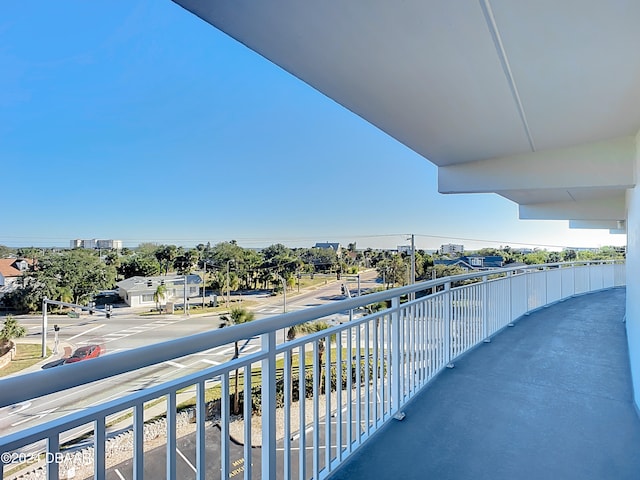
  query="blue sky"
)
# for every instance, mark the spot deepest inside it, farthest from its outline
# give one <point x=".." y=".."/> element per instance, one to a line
<point x="138" y="121"/>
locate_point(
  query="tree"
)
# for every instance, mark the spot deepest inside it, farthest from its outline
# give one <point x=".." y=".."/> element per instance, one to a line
<point x="307" y="328"/>
<point x="280" y="259"/>
<point x="394" y="270"/>
<point x="159" y="296"/>
<point x="74" y="275"/>
<point x="139" y="265"/>
<point x="237" y="316"/>
<point x="10" y="330"/>
<point x="320" y="259"/>
<point x="166" y="254"/>
<point x="186" y="261"/>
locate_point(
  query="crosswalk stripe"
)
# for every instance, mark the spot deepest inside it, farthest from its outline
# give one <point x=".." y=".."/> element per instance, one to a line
<point x="175" y="364"/>
<point x="210" y="362"/>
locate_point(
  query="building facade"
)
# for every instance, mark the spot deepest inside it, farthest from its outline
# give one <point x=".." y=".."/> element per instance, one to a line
<point x="96" y="244"/>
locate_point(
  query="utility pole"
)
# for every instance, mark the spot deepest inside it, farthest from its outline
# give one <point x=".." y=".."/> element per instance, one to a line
<point x="413" y="265"/>
<point x="413" y="259"/>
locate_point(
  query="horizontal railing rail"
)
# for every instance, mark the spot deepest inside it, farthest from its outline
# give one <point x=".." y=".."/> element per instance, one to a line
<point x="319" y="396"/>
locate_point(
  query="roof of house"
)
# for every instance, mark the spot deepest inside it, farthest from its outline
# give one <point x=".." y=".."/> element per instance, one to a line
<point x="140" y="283"/>
<point x="334" y="246"/>
<point x="488" y="261"/>
<point x="8" y="267"/>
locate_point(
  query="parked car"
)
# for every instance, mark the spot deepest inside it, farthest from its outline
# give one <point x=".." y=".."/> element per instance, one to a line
<point x="84" y="353"/>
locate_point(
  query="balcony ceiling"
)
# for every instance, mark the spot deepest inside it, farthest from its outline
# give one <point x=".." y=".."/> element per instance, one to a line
<point x="541" y="97"/>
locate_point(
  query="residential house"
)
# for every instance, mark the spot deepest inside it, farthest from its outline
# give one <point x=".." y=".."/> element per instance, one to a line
<point x="11" y="269"/>
<point x="336" y="247"/>
<point x="139" y="291"/>
<point x="474" y="262"/>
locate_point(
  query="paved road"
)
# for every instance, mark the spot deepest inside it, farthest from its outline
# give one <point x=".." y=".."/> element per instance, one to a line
<point x="155" y="459"/>
<point x="126" y="330"/>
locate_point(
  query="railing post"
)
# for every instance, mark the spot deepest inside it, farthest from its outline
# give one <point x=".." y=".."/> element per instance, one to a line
<point x="546" y="271"/>
<point x="396" y="358"/>
<point x="53" y="447"/>
<point x="201" y="413"/>
<point x="138" y="441"/>
<point x="99" y="446"/>
<point x="44" y="327"/>
<point x="171" y="435"/>
<point x="447" y="324"/>
<point x="269" y="406"/>
<point x="510" y="276"/>
<point x="485" y="309"/>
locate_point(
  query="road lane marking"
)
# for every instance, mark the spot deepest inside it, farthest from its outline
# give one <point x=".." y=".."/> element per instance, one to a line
<point x="38" y="415"/>
<point x="83" y="333"/>
<point x="119" y="474"/>
<point x="186" y="460"/>
<point x="18" y="407"/>
<point x="175" y="364"/>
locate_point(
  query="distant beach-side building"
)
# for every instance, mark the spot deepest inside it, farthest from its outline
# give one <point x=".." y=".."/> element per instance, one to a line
<point x="97" y="244"/>
<point x="451" y="249"/>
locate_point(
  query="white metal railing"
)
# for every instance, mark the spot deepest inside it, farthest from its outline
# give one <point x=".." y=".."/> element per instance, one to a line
<point x="323" y="394"/>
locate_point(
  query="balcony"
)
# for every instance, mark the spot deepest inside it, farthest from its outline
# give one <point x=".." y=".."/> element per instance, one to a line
<point x="434" y="384"/>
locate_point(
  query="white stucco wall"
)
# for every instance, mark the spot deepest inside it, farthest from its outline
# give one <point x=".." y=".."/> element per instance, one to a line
<point x="633" y="279"/>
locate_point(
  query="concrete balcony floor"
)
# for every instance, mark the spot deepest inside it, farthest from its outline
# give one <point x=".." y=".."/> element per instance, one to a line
<point x="550" y="398"/>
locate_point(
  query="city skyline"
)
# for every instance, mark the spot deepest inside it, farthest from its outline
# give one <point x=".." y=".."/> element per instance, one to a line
<point x="138" y="121"/>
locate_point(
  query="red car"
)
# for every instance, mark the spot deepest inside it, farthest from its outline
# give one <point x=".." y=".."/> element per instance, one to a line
<point x="84" y="353"/>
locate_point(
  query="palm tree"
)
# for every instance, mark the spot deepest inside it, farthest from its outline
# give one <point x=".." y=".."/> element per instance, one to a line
<point x="10" y="330"/>
<point x="306" y="328"/>
<point x="159" y="296"/>
<point x="237" y="316"/>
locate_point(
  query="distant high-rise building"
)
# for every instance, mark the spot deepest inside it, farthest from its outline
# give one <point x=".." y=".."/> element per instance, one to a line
<point x="451" y="249"/>
<point x="94" y="243"/>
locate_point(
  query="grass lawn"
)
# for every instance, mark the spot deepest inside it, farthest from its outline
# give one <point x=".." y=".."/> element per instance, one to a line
<point x="27" y="354"/>
<point x="195" y="309"/>
<point x="214" y="393"/>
